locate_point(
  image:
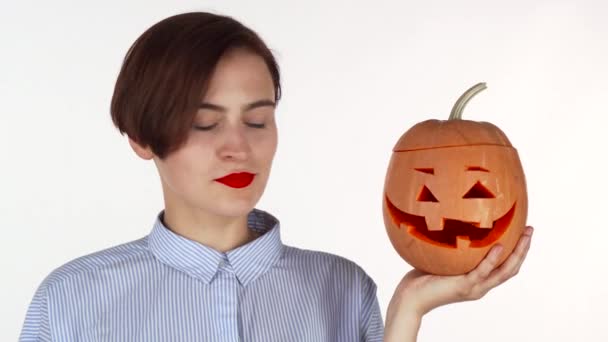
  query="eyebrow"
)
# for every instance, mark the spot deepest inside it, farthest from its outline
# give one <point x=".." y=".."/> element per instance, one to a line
<point x="429" y="170"/>
<point x="477" y="168"/>
<point x="248" y="107"/>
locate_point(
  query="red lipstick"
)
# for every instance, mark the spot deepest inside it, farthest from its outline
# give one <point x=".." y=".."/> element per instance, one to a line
<point x="237" y="180"/>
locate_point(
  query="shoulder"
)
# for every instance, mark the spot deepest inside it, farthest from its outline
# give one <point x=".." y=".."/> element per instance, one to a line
<point x="109" y="259"/>
<point x="315" y="259"/>
<point x="324" y="266"/>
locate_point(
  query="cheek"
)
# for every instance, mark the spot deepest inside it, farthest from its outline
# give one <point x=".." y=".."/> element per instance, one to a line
<point x="265" y="145"/>
<point x="271" y="147"/>
<point x="186" y="169"/>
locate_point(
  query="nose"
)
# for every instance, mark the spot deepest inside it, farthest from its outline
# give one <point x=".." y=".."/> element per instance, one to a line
<point x="235" y="145"/>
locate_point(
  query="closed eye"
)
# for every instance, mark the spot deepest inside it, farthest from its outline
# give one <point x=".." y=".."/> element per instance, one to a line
<point x="208" y="128"/>
<point x="204" y="128"/>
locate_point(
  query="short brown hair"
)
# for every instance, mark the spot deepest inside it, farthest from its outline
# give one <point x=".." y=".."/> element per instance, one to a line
<point x="166" y="72"/>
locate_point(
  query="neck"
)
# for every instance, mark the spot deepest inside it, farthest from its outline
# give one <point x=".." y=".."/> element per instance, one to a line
<point x="218" y="232"/>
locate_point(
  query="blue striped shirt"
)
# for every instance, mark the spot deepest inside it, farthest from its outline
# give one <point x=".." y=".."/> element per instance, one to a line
<point x="165" y="287"/>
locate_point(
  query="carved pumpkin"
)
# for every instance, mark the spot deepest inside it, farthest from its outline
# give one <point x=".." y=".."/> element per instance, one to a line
<point x="452" y="190"/>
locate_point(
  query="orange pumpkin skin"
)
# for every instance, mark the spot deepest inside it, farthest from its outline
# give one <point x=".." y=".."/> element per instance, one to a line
<point x="452" y="190"/>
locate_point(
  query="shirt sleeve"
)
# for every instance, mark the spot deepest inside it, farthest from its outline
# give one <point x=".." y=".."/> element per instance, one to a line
<point x="36" y="325"/>
<point x="372" y="327"/>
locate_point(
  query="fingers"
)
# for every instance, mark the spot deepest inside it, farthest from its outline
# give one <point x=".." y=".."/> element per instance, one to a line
<point x="513" y="263"/>
<point x="485" y="267"/>
<point x="486" y="276"/>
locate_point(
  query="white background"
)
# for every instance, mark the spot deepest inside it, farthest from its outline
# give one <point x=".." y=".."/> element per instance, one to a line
<point x="356" y="76"/>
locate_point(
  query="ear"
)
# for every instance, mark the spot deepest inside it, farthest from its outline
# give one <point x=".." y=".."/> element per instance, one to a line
<point x="142" y="152"/>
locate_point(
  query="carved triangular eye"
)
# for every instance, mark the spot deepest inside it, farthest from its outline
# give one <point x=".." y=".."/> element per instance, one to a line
<point x="426" y="195"/>
<point x="478" y="191"/>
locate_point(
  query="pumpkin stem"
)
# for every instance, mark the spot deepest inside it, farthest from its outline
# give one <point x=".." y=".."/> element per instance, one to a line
<point x="456" y="113"/>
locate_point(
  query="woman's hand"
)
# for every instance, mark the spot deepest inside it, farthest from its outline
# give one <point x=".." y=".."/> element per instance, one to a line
<point x="419" y="292"/>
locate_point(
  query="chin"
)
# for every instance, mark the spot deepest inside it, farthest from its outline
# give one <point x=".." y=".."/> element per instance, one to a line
<point x="235" y="207"/>
<point x="234" y="202"/>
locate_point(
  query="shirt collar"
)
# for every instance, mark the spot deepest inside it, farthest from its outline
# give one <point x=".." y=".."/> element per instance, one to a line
<point x="248" y="261"/>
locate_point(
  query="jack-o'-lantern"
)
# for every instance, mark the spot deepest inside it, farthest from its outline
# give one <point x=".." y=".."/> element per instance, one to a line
<point x="453" y="189"/>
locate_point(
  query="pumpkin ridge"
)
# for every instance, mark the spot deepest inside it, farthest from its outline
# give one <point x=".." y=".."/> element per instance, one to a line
<point x="446" y="146"/>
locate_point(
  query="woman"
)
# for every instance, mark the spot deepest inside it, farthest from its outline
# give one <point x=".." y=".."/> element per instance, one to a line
<point x="197" y="94"/>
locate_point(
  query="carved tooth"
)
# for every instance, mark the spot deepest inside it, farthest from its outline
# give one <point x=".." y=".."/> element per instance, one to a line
<point x="407" y="227"/>
<point x="462" y="242"/>
<point x="434" y="223"/>
<point x="486" y="222"/>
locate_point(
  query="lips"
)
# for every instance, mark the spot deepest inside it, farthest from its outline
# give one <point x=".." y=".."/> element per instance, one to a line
<point x="455" y="233"/>
<point x="237" y="180"/>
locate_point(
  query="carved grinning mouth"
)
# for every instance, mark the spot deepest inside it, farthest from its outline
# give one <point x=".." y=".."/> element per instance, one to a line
<point x="455" y="233"/>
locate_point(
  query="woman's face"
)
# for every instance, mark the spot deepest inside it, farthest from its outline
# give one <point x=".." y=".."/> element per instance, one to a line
<point x="231" y="144"/>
